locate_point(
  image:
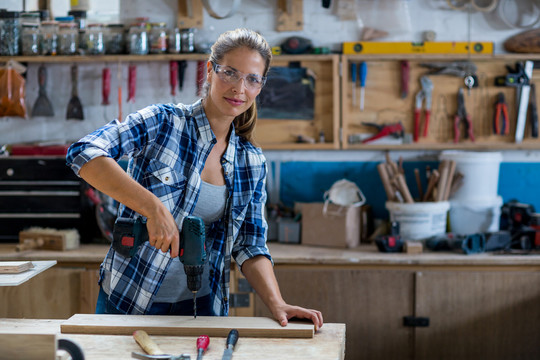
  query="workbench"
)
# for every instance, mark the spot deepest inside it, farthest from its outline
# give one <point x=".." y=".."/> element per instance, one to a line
<point x="486" y="303"/>
<point x="328" y="343"/>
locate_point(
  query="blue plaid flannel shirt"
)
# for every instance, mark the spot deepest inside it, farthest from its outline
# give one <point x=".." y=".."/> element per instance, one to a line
<point x="167" y="146"/>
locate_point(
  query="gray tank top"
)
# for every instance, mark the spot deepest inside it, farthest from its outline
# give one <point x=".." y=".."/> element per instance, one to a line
<point x="210" y="207"/>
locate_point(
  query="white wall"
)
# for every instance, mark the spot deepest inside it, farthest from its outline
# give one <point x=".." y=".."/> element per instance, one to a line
<point x="321" y="25"/>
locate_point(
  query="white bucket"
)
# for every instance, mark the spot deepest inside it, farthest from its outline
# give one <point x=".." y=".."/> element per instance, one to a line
<point x="421" y="220"/>
<point x="475" y="217"/>
<point x="480" y="171"/>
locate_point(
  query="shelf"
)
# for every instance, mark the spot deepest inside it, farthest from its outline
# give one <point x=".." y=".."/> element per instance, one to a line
<point x="449" y="146"/>
<point x="443" y="57"/>
<point x="143" y="58"/>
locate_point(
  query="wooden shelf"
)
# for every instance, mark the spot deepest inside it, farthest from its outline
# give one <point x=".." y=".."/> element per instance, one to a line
<point x="481" y="146"/>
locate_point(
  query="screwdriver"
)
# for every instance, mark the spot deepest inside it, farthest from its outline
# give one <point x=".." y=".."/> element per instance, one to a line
<point x="353" y="78"/>
<point x="363" y="75"/>
<point x="202" y="345"/>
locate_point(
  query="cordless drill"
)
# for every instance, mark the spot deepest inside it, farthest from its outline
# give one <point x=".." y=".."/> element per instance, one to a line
<point x="129" y="234"/>
<point x="193" y="254"/>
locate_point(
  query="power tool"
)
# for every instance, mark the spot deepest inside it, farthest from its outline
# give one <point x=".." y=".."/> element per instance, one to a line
<point x="392" y="242"/>
<point x="468" y="244"/>
<point x="193" y="254"/>
<point x="129" y="235"/>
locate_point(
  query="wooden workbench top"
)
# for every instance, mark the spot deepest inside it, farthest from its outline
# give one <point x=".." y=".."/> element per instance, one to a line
<point x="289" y="254"/>
<point x="328" y="343"/>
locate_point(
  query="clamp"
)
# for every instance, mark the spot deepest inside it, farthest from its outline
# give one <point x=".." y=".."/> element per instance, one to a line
<point x="396" y="130"/>
<point x="462" y="69"/>
<point x="500" y="120"/>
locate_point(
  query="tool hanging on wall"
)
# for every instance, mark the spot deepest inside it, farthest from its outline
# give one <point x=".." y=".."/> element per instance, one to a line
<point x="500" y="120"/>
<point x="173" y="78"/>
<point x="105" y="90"/>
<point x="405" y="71"/>
<point x="463" y="69"/>
<point x="74" y="109"/>
<point x="362" y="74"/>
<point x="201" y="75"/>
<point x="534" y="112"/>
<point x="423" y="96"/>
<point x="182" y="65"/>
<point x="42" y="106"/>
<point x="462" y="117"/>
<point x="353" y="80"/>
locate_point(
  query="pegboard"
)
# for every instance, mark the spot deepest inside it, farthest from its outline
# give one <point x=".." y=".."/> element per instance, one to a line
<point x="383" y="103"/>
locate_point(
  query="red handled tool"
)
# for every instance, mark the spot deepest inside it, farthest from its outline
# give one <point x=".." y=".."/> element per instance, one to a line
<point x="132" y="83"/>
<point x="462" y="116"/>
<point x="395" y="130"/>
<point x="500" y="121"/>
<point x="202" y="344"/>
<point x="173" y="77"/>
<point x="424" y="94"/>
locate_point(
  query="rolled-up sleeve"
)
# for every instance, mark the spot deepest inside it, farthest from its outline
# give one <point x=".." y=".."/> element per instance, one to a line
<point x="114" y="139"/>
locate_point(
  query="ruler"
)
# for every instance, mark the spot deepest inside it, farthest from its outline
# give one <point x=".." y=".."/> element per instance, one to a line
<point x="426" y="47"/>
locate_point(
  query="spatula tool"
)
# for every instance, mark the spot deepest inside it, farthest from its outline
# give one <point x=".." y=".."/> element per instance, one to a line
<point x="42" y="106"/>
<point x="74" y="109"/>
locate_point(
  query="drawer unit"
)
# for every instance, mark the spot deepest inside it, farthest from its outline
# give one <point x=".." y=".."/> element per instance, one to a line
<point x="38" y="191"/>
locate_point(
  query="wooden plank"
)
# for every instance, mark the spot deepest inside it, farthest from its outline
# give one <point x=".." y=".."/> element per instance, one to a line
<point x="27" y="346"/>
<point x="15" y="267"/>
<point x="184" y="326"/>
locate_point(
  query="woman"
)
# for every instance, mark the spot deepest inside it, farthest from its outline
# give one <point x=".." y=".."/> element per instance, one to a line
<point x="185" y="160"/>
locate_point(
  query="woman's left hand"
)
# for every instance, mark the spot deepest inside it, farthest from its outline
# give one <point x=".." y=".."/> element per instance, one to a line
<point x="284" y="312"/>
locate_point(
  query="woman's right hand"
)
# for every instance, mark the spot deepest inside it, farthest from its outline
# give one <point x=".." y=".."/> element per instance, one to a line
<point x="163" y="231"/>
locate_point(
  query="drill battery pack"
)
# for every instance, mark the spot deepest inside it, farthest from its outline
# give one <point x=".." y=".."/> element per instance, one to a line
<point x="128" y="236"/>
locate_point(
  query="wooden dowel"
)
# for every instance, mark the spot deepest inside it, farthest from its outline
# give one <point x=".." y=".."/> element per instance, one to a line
<point x="419" y="183"/>
<point x="433" y="179"/>
<point x="443" y="170"/>
<point x="404" y="189"/>
<point x="450" y="179"/>
<point x="386" y="182"/>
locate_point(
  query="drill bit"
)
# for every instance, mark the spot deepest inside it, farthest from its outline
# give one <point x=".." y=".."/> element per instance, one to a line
<point x="194" y="304"/>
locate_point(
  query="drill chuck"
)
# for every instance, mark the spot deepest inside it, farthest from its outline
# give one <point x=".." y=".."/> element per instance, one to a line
<point x="194" y="276"/>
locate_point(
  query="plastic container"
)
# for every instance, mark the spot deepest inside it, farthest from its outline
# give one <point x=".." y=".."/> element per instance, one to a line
<point x="419" y="221"/>
<point x="467" y="217"/>
<point x="481" y="174"/>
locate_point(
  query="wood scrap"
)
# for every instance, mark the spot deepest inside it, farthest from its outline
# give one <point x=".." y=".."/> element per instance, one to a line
<point x="450" y="179"/>
<point x="433" y="180"/>
<point x="48" y="239"/>
<point x="381" y="168"/>
<point x="443" y="170"/>
<point x="419" y="184"/>
<point x="15" y="267"/>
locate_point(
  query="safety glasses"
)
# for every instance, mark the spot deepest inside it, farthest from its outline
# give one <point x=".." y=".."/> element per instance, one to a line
<point x="232" y="76"/>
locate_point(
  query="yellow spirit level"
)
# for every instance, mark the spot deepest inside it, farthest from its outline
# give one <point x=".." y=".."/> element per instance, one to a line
<point x="426" y="47"/>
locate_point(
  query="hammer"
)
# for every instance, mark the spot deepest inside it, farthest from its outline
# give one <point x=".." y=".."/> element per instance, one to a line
<point x="152" y="349"/>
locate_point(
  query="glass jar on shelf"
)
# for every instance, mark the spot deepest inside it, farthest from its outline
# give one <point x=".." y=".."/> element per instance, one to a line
<point x="30" y="39"/>
<point x="10" y="33"/>
<point x="188" y="41"/>
<point x="68" y="38"/>
<point x="175" y="41"/>
<point x="115" y="39"/>
<point x="158" y="38"/>
<point x="49" y="37"/>
<point x="138" y="39"/>
<point x="30" y="17"/>
<point x="94" y="39"/>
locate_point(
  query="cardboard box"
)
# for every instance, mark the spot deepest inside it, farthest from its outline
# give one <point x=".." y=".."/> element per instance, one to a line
<point x="339" y="227"/>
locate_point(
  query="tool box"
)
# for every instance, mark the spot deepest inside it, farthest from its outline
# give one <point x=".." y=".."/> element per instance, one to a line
<point x="426" y="47"/>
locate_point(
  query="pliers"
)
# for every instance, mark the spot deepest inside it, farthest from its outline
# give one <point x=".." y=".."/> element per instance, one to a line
<point x="462" y="116"/>
<point x="396" y="130"/>
<point x="500" y="120"/>
<point x="424" y="94"/>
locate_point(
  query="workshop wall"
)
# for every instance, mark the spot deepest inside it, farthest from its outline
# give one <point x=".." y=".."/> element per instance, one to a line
<point x="405" y="20"/>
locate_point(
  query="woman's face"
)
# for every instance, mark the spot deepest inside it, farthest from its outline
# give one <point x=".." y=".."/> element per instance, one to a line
<point x="232" y="98"/>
